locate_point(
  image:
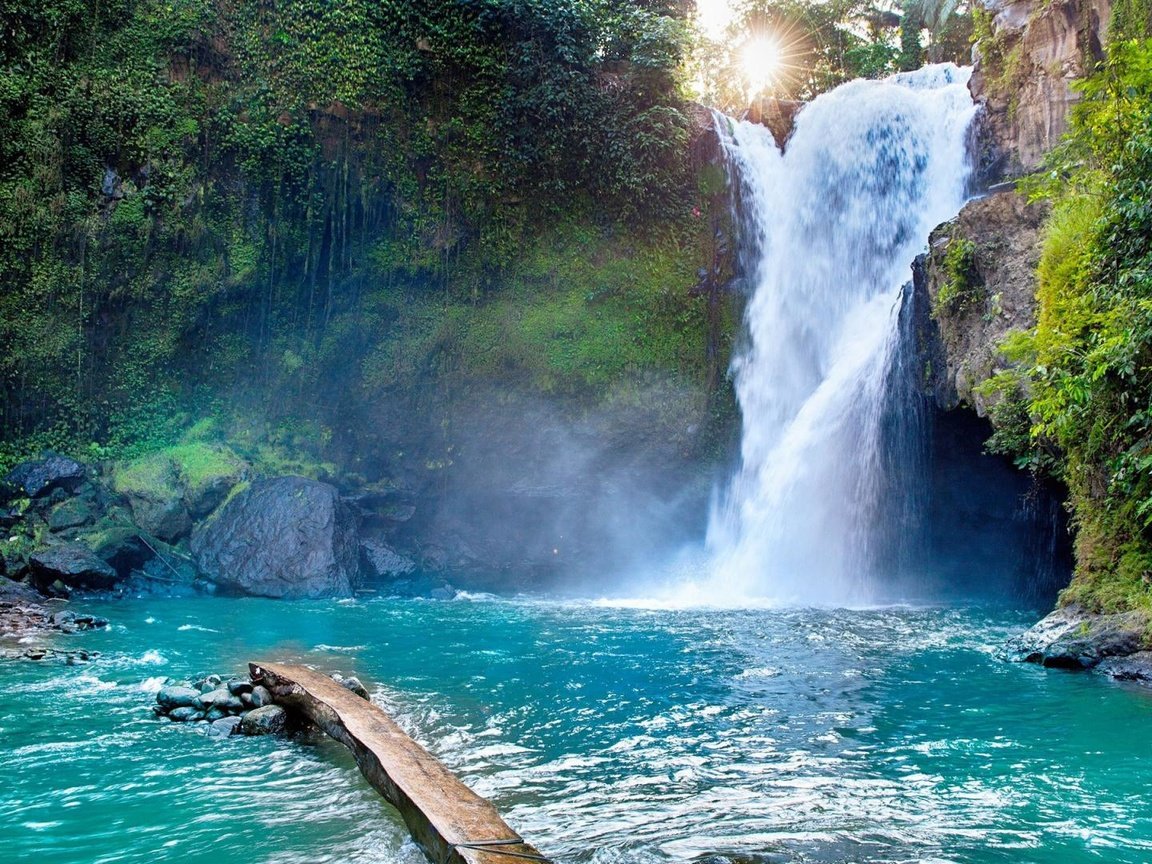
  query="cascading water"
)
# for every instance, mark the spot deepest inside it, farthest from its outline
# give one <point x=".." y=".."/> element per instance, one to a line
<point x="834" y="224"/>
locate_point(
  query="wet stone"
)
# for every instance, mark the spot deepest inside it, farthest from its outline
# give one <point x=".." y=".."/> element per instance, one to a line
<point x="224" y="727"/>
<point x="268" y="720"/>
<point x="177" y="696"/>
<point x="261" y="696"/>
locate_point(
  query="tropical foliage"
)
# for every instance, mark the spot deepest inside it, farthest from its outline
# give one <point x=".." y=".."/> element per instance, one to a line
<point x="199" y="196"/>
<point x="1087" y="367"/>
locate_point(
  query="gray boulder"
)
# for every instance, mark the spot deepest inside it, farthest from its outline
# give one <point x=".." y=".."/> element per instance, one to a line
<point x="160" y="515"/>
<point x="221" y="699"/>
<point x="264" y="721"/>
<point x="70" y="514"/>
<point x="261" y="696"/>
<point x="1074" y="638"/>
<point x="74" y="565"/>
<point x="289" y="538"/>
<point x="177" y="696"/>
<point x="1135" y="667"/>
<point x="186" y="714"/>
<point x="380" y="561"/>
<point x="352" y="683"/>
<point x="38" y="478"/>
<point x="224" y="727"/>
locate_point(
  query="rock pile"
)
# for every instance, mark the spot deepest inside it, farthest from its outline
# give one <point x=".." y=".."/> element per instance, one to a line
<point x="19" y="620"/>
<point x="236" y="706"/>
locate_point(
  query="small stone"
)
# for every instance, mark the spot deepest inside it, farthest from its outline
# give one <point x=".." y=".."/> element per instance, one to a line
<point x="209" y="683"/>
<point x="216" y="713"/>
<point x="268" y="720"/>
<point x="238" y="686"/>
<point x="159" y="710"/>
<point x="219" y="698"/>
<point x="224" y="727"/>
<point x="352" y="683"/>
<point x="246" y="700"/>
<point x="177" y="696"/>
<point x="261" y="696"/>
<point x="185" y="714"/>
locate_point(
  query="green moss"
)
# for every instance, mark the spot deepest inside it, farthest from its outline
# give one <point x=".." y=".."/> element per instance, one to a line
<point x="153" y="477"/>
<point x="182" y="470"/>
<point x="960" y="289"/>
<point x="1112" y="575"/>
<point x="582" y="310"/>
<point x="200" y="465"/>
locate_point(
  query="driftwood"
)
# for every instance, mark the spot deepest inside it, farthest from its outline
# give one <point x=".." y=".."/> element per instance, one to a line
<point x="450" y="822"/>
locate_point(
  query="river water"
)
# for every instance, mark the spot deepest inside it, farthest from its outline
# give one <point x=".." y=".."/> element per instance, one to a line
<point x="604" y="733"/>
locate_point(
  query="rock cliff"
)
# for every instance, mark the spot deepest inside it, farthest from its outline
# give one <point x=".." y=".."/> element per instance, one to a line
<point x="1028" y="55"/>
<point x="980" y="279"/>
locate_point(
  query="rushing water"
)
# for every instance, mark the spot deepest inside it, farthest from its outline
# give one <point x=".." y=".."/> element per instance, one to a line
<point x="833" y="225"/>
<point x="604" y="734"/>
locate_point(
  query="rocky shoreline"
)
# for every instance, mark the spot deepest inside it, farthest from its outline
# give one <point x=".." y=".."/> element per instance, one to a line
<point x="196" y="522"/>
<point x="1077" y="639"/>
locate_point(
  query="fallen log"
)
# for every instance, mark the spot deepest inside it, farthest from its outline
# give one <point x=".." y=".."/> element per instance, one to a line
<point x="450" y="822"/>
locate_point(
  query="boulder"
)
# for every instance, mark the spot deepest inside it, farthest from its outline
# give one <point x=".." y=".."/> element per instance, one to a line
<point x="166" y="517"/>
<point x="288" y="538"/>
<point x="207" y="473"/>
<point x="177" y="696"/>
<point x="380" y="561"/>
<point x="74" y="565"/>
<point x="152" y="488"/>
<point x="1074" y="638"/>
<point x="185" y="714"/>
<point x="268" y="720"/>
<point x="224" y="727"/>
<point x="261" y="696"/>
<point x="72" y="513"/>
<point x="352" y="683"/>
<point x="38" y="478"/>
<point x="1135" y="667"/>
<point x="221" y="699"/>
<point x="11" y="591"/>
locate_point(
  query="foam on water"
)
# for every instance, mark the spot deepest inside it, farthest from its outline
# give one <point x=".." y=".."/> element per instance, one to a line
<point x="602" y="733"/>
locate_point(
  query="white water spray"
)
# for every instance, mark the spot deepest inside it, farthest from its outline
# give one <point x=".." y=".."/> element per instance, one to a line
<point x="835" y="222"/>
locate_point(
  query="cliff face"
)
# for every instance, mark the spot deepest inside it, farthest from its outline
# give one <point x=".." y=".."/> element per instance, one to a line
<point x="980" y="278"/>
<point x="1027" y="58"/>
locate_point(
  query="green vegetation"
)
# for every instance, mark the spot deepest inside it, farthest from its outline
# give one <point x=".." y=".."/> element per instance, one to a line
<point x="190" y="468"/>
<point x="1002" y="58"/>
<point x="960" y="287"/>
<point x="1087" y="367"/>
<point x="229" y="209"/>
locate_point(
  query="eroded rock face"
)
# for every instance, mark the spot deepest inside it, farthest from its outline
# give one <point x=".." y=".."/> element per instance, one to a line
<point x="289" y="537"/>
<point x="963" y="334"/>
<point x="1024" y="80"/>
<point x="1074" y="638"/>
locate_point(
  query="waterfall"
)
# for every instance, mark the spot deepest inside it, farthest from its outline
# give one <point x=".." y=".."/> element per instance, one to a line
<point x="831" y="227"/>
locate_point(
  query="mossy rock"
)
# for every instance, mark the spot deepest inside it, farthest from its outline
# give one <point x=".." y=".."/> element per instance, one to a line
<point x="152" y="486"/>
<point x="171" y="487"/>
<point x="207" y="473"/>
<point x="73" y="513"/>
